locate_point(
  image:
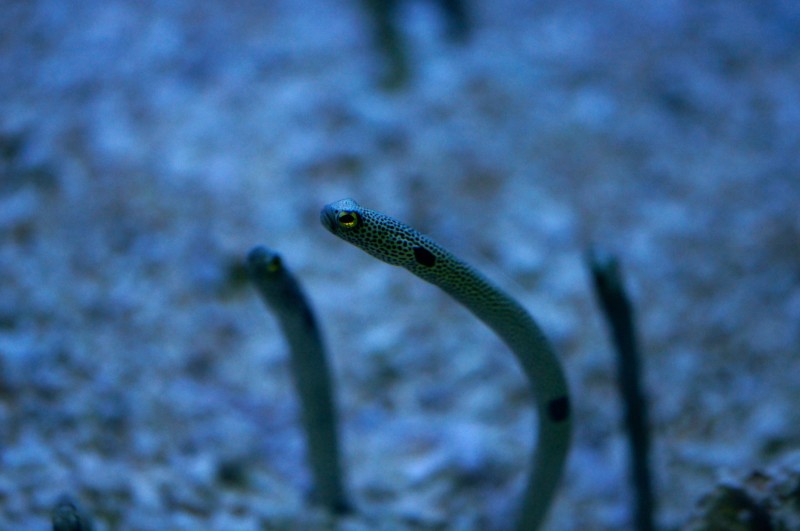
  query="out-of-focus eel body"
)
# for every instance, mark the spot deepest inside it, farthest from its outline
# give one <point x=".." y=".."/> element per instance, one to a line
<point x="283" y="295"/>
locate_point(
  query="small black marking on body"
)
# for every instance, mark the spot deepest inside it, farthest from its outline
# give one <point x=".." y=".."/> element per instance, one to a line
<point x="558" y="409"/>
<point x="424" y="257"/>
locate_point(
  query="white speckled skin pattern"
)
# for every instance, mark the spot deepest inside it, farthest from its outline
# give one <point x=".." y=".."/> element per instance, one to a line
<point x="398" y="244"/>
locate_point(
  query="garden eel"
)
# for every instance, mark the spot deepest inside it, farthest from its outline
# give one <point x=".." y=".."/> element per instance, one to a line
<point x="282" y="293"/>
<point x="67" y="515"/>
<point x="398" y="244"/>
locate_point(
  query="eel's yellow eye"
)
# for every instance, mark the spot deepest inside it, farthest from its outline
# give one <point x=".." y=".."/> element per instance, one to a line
<point x="274" y="265"/>
<point x="347" y="219"/>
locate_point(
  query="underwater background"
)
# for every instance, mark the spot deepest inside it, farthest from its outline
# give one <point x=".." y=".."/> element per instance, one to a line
<point x="145" y="147"/>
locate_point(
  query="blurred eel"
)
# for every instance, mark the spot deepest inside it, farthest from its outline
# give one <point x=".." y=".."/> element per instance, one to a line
<point x="67" y="515"/>
<point x="619" y="313"/>
<point x="281" y="292"/>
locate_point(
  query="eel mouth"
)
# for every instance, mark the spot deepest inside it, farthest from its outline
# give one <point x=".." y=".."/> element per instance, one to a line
<point x="327" y="217"/>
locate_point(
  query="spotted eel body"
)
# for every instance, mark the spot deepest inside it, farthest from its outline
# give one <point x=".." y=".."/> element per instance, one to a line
<point x="282" y="293"/>
<point x="398" y="244"/>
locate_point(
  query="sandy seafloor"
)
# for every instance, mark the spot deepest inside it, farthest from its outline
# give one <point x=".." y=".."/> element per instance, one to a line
<point x="147" y="146"/>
